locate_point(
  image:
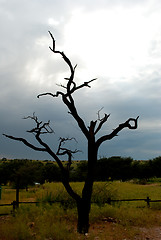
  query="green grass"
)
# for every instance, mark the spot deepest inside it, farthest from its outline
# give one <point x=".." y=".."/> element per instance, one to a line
<point x="117" y="190"/>
<point x="58" y="221"/>
<point x="130" y="190"/>
<point x="53" y="222"/>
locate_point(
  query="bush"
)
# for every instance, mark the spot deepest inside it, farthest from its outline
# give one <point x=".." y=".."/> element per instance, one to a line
<point x="103" y="191"/>
<point x="58" y="195"/>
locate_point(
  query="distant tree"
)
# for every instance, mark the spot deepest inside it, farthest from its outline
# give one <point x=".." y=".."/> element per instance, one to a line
<point x="24" y="172"/>
<point x="50" y="173"/>
<point x="156" y="166"/>
<point x="114" y="168"/>
<point x="81" y="171"/>
<point x="5" y="172"/>
<point x="143" y="170"/>
<point x="3" y="176"/>
<point x="90" y="132"/>
<point x="136" y="169"/>
<point x="20" y="174"/>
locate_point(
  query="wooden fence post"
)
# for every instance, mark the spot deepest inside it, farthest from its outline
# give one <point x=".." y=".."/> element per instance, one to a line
<point x="148" y="201"/>
<point x="0" y="192"/>
<point x="14" y="203"/>
<point x="17" y="196"/>
<point x="109" y="200"/>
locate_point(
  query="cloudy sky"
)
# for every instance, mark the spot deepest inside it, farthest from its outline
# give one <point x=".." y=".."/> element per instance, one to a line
<point x="118" y="42"/>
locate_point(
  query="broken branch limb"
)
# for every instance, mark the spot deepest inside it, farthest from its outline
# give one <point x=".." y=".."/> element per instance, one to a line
<point x="102" y="121"/>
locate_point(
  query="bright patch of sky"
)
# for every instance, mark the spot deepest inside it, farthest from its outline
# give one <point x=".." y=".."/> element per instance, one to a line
<point x="113" y="43"/>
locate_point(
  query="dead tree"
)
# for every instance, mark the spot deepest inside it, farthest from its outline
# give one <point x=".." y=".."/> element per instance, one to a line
<point x="90" y="132"/>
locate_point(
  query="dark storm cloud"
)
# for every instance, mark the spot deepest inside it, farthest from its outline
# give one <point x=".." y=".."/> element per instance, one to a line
<point x="27" y="68"/>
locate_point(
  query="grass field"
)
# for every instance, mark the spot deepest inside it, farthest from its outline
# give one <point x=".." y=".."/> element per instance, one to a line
<point x="58" y="221"/>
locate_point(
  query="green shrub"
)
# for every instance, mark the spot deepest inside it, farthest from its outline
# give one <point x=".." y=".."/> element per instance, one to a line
<point x="58" y="195"/>
<point x="102" y="191"/>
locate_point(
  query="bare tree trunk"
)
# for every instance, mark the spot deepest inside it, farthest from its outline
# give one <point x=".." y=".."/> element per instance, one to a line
<point x="84" y="205"/>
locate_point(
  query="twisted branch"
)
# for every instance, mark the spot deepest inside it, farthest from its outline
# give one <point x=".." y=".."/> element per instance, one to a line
<point x="41" y="128"/>
<point x="65" y="151"/>
<point x="127" y="124"/>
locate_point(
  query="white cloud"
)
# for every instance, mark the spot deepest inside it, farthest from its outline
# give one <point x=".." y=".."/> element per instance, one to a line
<point x="113" y="42"/>
<point x="52" y="22"/>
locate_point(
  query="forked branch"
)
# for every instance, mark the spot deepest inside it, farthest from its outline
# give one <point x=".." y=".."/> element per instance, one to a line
<point x="41" y="128"/>
<point x="70" y="88"/>
<point x="102" y="121"/>
<point x="66" y="151"/>
<point x="71" y="85"/>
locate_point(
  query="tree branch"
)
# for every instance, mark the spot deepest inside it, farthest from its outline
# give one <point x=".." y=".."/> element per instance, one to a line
<point x="25" y="142"/>
<point x="46" y="148"/>
<point x="102" y="121"/>
<point x="70" y="88"/>
<point x="50" y="94"/>
<point x="85" y="84"/>
<point x="66" y="59"/>
<point x="114" y="133"/>
<point x="41" y="128"/>
<point x="65" y="151"/>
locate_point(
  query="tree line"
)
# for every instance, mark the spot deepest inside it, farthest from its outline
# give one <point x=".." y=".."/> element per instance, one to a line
<point x="119" y="168"/>
<point x="23" y="173"/>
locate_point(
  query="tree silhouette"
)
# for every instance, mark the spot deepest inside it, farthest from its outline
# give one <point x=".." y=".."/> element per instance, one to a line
<point x="90" y="132"/>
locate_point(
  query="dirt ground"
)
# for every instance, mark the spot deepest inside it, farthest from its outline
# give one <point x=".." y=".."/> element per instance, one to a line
<point x="139" y="233"/>
<point x="99" y="230"/>
<point x="153" y="233"/>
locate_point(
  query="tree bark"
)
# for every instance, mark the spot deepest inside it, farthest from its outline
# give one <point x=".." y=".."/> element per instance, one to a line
<point x="84" y="205"/>
<point x="83" y="208"/>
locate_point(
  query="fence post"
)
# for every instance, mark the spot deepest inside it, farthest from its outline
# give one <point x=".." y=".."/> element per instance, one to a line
<point x="15" y="206"/>
<point x="0" y="191"/>
<point x="109" y="200"/>
<point x="148" y="201"/>
<point x="17" y="196"/>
